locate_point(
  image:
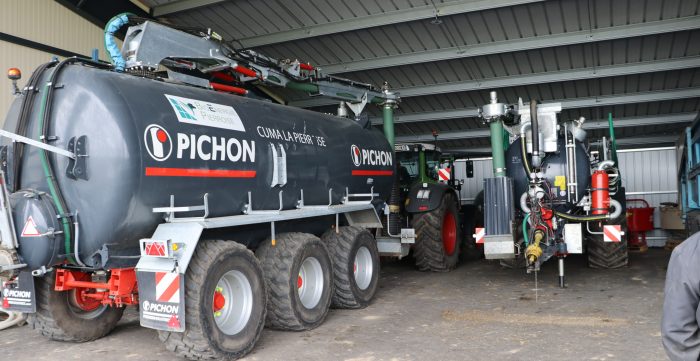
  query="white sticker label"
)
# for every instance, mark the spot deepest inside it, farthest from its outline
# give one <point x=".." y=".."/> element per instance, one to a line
<point x="206" y="114"/>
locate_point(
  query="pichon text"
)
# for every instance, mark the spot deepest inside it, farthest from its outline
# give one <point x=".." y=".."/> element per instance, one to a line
<point x="376" y="157"/>
<point x="206" y="147"/>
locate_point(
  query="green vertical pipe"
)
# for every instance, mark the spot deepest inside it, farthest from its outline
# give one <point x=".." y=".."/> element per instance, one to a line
<point x="612" y="138"/>
<point x="388" y="117"/>
<point x="421" y="167"/>
<point x="499" y="158"/>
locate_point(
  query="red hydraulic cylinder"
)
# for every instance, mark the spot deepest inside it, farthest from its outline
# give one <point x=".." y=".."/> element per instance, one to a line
<point x="228" y="88"/>
<point x="600" y="192"/>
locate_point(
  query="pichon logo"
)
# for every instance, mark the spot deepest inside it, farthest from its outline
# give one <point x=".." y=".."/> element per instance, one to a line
<point x="160" y="146"/>
<point x="160" y="308"/>
<point x="158" y="142"/>
<point x="370" y="157"/>
<point x="355" y="154"/>
<point x="16" y="293"/>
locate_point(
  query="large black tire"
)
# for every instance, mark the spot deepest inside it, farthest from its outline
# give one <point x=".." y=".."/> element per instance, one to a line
<point x="343" y="247"/>
<point x="203" y="339"/>
<point x="282" y="265"/>
<point x="59" y="319"/>
<point x="432" y="249"/>
<point x="607" y="255"/>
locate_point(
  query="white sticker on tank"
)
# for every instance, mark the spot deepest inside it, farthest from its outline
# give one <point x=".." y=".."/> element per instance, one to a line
<point x="207" y="114"/>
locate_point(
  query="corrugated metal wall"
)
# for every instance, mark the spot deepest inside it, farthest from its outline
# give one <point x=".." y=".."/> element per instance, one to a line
<point x="649" y="174"/>
<point x="42" y="21"/>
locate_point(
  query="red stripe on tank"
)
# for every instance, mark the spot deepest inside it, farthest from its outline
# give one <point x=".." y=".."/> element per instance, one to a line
<point x="195" y="172"/>
<point x="366" y="172"/>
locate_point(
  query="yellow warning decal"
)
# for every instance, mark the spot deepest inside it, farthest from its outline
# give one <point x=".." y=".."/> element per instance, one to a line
<point x="560" y="181"/>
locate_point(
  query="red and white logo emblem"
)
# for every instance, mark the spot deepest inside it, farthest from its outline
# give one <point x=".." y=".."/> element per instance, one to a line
<point x="158" y="142"/>
<point x="479" y="234"/>
<point x="612" y="233"/>
<point x="168" y="287"/>
<point x="355" y="154"/>
<point x="444" y="174"/>
<point x="30" y="229"/>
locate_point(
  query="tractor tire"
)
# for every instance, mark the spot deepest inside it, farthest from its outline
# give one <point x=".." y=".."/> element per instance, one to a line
<point x="355" y="266"/>
<point x="608" y="255"/>
<point x="214" y="327"/>
<point x="437" y="236"/>
<point x="299" y="276"/>
<point x="59" y="317"/>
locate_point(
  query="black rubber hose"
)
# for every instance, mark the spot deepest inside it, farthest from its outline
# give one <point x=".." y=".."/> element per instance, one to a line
<point x="523" y="153"/>
<point x="581" y="218"/>
<point x="23" y="121"/>
<point x="45" y="131"/>
<point x="535" y="129"/>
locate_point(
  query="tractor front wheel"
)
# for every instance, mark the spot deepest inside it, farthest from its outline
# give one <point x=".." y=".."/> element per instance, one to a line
<point x="438" y="236"/>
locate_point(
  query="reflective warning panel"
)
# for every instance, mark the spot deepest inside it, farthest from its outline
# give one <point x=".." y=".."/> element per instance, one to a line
<point x="161" y="297"/>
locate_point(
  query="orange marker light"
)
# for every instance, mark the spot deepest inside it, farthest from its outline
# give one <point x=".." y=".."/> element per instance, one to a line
<point x="14" y="74"/>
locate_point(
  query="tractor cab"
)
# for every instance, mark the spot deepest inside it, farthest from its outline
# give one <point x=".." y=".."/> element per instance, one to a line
<point x="424" y="163"/>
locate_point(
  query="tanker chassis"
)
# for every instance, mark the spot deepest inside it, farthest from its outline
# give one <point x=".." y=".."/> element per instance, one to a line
<point x="215" y="214"/>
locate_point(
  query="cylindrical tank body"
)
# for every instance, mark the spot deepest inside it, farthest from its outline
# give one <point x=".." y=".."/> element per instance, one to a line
<point x="554" y="170"/>
<point x="149" y="139"/>
<point x="600" y="192"/>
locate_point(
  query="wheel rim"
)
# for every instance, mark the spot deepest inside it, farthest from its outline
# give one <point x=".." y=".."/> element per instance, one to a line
<point x="363" y="268"/>
<point x="232" y="302"/>
<point x="310" y="282"/>
<point x="84" y="307"/>
<point x="449" y="233"/>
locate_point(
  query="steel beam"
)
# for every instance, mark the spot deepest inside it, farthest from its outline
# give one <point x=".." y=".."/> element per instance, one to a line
<point x="536" y="42"/>
<point x="529" y="79"/>
<point x="626" y="142"/>
<point x="181" y="5"/>
<point x="575" y="103"/>
<point x="387" y="18"/>
<point x="588" y="125"/>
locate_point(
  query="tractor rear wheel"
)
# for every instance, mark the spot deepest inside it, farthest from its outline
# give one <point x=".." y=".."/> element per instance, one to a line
<point x="355" y="266"/>
<point x="225" y="303"/>
<point x="67" y="316"/>
<point x="438" y="236"/>
<point x="299" y="276"/>
<point x="603" y="254"/>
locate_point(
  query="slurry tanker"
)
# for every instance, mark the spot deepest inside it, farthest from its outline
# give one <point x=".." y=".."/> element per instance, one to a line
<point x="169" y="181"/>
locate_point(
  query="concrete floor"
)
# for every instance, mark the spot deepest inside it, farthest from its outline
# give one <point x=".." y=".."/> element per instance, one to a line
<point x="478" y="312"/>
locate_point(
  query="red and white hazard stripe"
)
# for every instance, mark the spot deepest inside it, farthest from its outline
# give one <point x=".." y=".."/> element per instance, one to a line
<point x="168" y="287"/>
<point x="612" y="233"/>
<point x="479" y="234"/>
<point x="444" y="174"/>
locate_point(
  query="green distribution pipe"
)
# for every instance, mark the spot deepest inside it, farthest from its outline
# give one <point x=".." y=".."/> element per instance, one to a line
<point x="52" y="188"/>
<point x="612" y="138"/>
<point x="388" y="120"/>
<point x="499" y="158"/>
<point x="421" y="167"/>
<point x="305" y="87"/>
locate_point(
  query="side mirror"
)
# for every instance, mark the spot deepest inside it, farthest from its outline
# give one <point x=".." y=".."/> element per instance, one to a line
<point x="469" y="169"/>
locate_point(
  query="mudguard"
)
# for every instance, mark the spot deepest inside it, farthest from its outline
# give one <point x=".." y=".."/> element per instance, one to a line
<point x="425" y="197"/>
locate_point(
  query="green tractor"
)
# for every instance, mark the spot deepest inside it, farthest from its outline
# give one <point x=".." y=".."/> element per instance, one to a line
<point x="425" y="207"/>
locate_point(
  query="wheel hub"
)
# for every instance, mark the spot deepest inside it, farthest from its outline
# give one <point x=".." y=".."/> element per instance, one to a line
<point x="449" y="233"/>
<point x="310" y="282"/>
<point x="363" y="268"/>
<point x="232" y="302"/>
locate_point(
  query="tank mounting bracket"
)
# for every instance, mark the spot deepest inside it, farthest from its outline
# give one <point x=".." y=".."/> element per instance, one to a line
<point x="77" y="167"/>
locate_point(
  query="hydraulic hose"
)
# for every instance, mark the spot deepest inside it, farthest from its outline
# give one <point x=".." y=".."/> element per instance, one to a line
<point x="572" y="217"/>
<point x="113" y="25"/>
<point x="23" y="121"/>
<point x="44" y="131"/>
<point x="523" y="149"/>
<point x="525" y="236"/>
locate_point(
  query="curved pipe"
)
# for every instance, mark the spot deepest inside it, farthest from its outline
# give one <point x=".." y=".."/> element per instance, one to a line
<point x="617" y="209"/>
<point x="523" y="203"/>
<point x="113" y="25"/>
<point x="523" y="147"/>
<point x="605" y="164"/>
